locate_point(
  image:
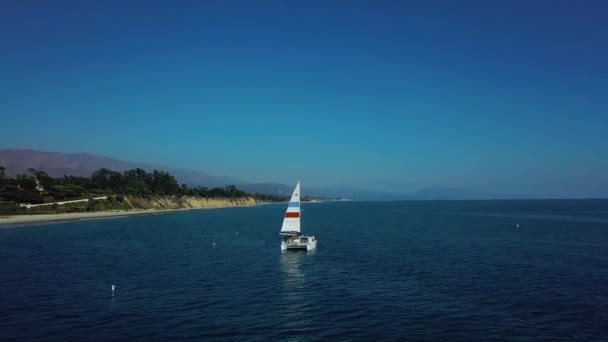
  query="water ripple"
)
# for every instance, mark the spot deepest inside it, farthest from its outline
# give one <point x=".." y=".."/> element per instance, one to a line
<point x="384" y="271"/>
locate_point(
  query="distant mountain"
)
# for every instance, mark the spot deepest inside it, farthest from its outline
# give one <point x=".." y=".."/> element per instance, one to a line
<point x="198" y="178"/>
<point x="431" y="193"/>
<point x="354" y="193"/>
<point x="83" y="164"/>
<point x="268" y="188"/>
<point x="324" y="192"/>
<point x="447" y="193"/>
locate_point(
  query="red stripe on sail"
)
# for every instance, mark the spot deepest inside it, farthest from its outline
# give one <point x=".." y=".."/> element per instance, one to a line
<point x="290" y="215"/>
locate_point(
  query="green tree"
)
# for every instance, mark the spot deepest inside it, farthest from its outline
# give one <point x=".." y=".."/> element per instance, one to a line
<point x="164" y="183"/>
<point x="26" y="183"/>
<point x="202" y="191"/>
<point x="44" y="179"/>
<point x="92" y="205"/>
<point x="184" y="190"/>
<point x="2" y="175"/>
<point x="32" y="172"/>
<point x="231" y="191"/>
<point x="137" y="187"/>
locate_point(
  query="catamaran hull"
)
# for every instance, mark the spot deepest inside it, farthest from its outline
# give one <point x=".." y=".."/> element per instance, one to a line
<point x="310" y="245"/>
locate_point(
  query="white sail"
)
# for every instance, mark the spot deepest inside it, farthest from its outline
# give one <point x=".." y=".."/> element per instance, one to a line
<point x="291" y="222"/>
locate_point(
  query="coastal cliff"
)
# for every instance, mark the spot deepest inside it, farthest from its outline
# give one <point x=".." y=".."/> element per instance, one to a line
<point x="118" y="206"/>
<point x="37" y="193"/>
<point x="127" y="203"/>
<point x="186" y="202"/>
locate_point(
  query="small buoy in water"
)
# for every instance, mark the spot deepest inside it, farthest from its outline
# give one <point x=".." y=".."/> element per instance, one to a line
<point x="214" y="244"/>
<point x="112" y="289"/>
<point x="237" y="233"/>
<point x="518" y="225"/>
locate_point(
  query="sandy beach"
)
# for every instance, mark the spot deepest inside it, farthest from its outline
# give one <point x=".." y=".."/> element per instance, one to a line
<point x="12" y="221"/>
<point x="19" y="219"/>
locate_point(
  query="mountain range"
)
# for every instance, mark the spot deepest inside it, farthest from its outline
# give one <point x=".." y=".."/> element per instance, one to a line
<point x="58" y="164"/>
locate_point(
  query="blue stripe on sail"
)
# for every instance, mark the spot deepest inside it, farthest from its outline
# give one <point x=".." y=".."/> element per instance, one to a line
<point x="294" y="204"/>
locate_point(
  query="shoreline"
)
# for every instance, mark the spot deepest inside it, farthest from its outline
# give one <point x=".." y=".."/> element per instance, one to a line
<point x="16" y="221"/>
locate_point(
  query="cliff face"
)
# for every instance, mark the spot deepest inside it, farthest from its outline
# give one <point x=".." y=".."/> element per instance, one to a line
<point x="186" y="202"/>
<point x="112" y="203"/>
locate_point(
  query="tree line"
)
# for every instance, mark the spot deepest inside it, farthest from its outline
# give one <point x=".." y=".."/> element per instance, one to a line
<point x="38" y="187"/>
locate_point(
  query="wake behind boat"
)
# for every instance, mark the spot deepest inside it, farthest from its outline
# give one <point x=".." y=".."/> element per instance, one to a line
<point x="292" y="237"/>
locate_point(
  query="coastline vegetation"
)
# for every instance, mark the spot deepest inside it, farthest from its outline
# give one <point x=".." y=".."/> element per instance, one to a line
<point x="105" y="190"/>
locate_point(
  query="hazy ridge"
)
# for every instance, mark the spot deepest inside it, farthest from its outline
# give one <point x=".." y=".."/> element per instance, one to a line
<point x="83" y="164"/>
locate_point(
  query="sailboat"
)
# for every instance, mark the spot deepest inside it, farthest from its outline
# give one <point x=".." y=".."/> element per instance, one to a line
<point x="292" y="237"/>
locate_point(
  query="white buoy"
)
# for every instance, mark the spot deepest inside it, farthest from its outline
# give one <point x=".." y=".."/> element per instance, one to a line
<point x="112" y="289"/>
<point x="237" y="233"/>
<point x="518" y="225"/>
<point x="214" y="244"/>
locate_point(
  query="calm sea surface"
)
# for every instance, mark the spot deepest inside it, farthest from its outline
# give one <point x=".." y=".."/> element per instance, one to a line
<point x="382" y="271"/>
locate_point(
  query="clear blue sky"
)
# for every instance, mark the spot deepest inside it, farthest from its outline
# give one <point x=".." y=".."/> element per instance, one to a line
<point x="500" y="96"/>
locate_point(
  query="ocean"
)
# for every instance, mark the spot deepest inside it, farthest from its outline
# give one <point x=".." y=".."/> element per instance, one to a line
<point x="382" y="271"/>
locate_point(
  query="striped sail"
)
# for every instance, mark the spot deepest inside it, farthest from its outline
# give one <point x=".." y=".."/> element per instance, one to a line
<point x="291" y="222"/>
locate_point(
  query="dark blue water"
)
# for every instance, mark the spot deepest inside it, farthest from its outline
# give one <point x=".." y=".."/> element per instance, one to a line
<point x="382" y="271"/>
